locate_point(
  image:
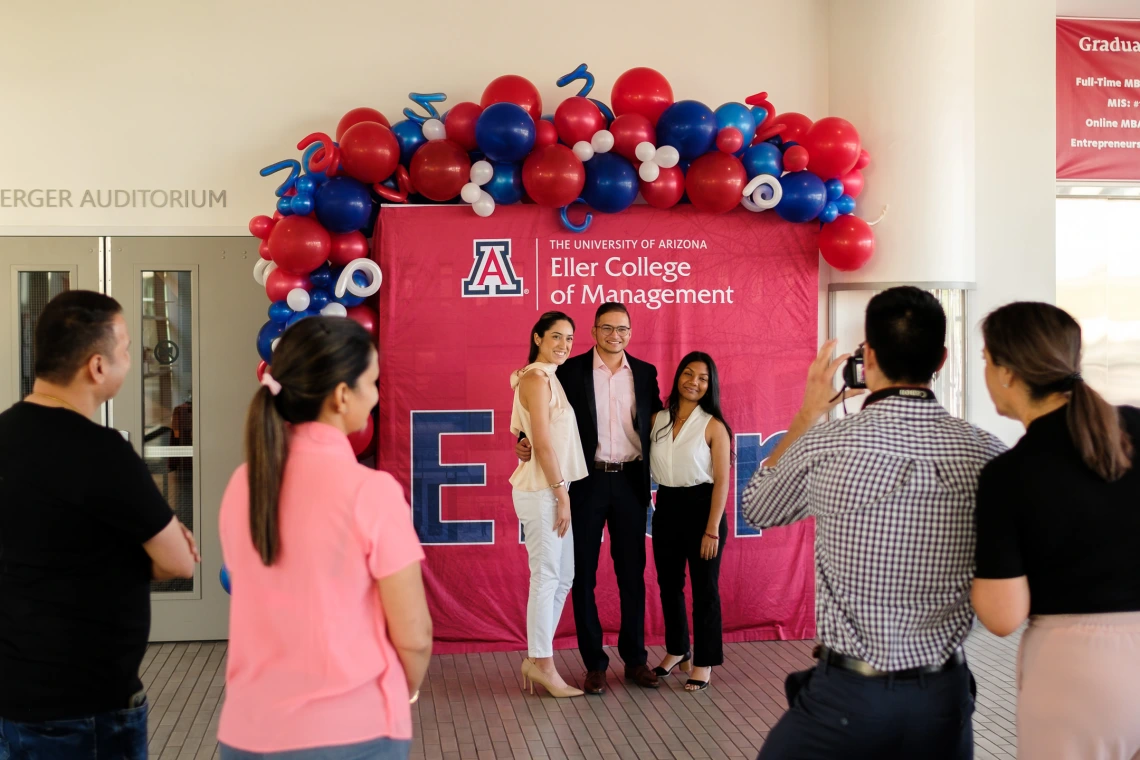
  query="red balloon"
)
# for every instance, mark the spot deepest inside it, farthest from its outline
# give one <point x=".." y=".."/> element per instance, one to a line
<point x="460" y="123"/>
<point x="299" y="244"/>
<point x="279" y="283"/>
<point x="795" y="125"/>
<point x="729" y="140"/>
<point x="261" y="367"/>
<point x="362" y="440"/>
<point x="511" y="88"/>
<point x="261" y="226"/>
<point x="369" y="152"/>
<point x="833" y="147"/>
<point x="346" y="247"/>
<point x="666" y="190"/>
<point x="545" y="133"/>
<point x="630" y="130"/>
<point x="796" y="158"/>
<point x="864" y="159"/>
<point x="553" y="176"/>
<point x="642" y="91"/>
<point x="715" y="182"/>
<point x="440" y="169"/>
<point x="847" y="243"/>
<point x="367" y="318"/>
<point x="852" y="183"/>
<point x="263" y="250"/>
<point x="278" y="215"/>
<point x="357" y="116"/>
<point x="577" y="119"/>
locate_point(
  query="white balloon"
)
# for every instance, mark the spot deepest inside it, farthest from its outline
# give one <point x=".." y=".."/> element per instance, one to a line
<point x="470" y="192"/>
<point x="583" y="150"/>
<point x="344" y="282"/>
<point x="334" y="310"/>
<point x="602" y="141"/>
<point x="481" y="173"/>
<point x="485" y="206"/>
<point x="645" y="151"/>
<point x="667" y="157"/>
<point x="649" y="171"/>
<point x="298" y="299"/>
<point x="273" y="345"/>
<point x="261" y="270"/>
<point x="755" y="188"/>
<point x="434" y="129"/>
<point x="748" y="204"/>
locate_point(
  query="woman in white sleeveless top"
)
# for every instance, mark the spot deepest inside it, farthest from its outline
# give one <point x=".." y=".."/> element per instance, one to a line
<point x="541" y="492"/>
<point x="690" y="457"/>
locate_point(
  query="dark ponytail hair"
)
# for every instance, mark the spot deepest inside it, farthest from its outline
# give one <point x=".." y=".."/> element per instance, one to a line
<point x="710" y="402"/>
<point x="544" y="323"/>
<point x="1041" y="344"/>
<point x="313" y="358"/>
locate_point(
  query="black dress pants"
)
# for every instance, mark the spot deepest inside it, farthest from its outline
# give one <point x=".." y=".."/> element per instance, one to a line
<point x="679" y="523"/>
<point x="613" y="498"/>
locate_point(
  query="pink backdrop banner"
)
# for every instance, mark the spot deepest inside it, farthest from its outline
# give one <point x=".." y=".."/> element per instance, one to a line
<point x="459" y="298"/>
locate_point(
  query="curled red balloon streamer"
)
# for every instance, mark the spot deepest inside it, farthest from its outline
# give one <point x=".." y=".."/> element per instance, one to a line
<point x="327" y="159"/>
<point x="847" y="243"/>
<point x="715" y="182"/>
<point x="356" y="116"/>
<point x="665" y="191"/>
<point x="261" y="367"/>
<point x="553" y="176"/>
<point x="403" y="187"/>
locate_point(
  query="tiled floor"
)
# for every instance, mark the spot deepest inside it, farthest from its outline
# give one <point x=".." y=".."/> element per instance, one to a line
<point x="472" y="706"/>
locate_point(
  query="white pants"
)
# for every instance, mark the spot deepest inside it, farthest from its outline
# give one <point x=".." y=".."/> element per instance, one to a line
<point x="551" y="568"/>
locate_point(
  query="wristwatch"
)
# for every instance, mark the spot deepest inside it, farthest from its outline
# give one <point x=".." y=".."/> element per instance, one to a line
<point x="559" y="484"/>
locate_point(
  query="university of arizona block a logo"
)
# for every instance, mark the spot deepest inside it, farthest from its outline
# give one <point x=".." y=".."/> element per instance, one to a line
<point x="492" y="273"/>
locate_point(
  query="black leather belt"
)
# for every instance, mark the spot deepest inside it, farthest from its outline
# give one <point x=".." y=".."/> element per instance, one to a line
<point x="835" y="659"/>
<point x="614" y="466"/>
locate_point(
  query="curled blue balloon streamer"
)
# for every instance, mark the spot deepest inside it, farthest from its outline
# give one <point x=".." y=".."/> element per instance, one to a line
<point x="294" y="167"/>
<point x="605" y="111"/>
<point x="424" y="101"/>
<point x="565" y="217"/>
<point x="581" y="73"/>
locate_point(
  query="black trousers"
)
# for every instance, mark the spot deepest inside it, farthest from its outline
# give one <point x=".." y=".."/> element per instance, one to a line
<point x="612" y="498"/>
<point x="834" y="714"/>
<point x="680" y="520"/>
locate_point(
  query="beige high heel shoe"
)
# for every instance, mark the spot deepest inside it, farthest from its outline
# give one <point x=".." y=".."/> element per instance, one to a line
<point x="532" y="675"/>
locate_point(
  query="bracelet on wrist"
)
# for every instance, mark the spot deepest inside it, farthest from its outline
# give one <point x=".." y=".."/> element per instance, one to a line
<point x="713" y="537"/>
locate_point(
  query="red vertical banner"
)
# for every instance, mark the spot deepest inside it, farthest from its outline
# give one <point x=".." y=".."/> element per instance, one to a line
<point x="1098" y="99"/>
<point x="460" y="296"/>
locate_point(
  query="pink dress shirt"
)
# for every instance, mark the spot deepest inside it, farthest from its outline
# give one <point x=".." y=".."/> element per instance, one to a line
<point x="618" y="440"/>
<point x="309" y="662"/>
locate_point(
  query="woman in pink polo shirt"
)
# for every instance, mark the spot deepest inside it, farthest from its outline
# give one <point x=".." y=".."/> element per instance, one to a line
<point x="330" y="635"/>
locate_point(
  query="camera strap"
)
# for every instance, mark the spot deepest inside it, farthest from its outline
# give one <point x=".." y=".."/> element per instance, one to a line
<point x="922" y="394"/>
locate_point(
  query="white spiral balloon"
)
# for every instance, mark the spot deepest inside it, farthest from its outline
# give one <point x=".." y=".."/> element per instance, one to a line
<point x="344" y="282"/>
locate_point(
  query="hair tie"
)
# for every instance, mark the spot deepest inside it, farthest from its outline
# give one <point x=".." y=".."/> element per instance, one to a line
<point x="268" y="381"/>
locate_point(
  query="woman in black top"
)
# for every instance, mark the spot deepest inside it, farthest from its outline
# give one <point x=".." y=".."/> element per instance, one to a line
<point x="1058" y="520"/>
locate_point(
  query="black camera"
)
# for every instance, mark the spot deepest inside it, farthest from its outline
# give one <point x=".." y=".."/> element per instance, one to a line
<point x="853" y="376"/>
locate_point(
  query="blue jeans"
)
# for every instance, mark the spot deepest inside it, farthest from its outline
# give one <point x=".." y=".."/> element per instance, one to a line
<point x="377" y="749"/>
<point x="118" y="735"/>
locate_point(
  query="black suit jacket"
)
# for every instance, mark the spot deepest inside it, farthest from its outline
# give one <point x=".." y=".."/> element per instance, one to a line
<point x="577" y="377"/>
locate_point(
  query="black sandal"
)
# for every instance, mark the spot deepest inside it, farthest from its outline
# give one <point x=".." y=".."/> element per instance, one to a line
<point x="700" y="685"/>
<point x="662" y="672"/>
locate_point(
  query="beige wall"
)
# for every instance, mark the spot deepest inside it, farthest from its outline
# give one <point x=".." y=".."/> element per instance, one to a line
<point x="159" y="95"/>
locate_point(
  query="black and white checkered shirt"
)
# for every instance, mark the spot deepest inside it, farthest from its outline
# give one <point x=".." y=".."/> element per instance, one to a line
<point x="892" y="491"/>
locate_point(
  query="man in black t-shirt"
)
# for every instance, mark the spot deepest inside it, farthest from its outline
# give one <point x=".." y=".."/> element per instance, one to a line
<point x="83" y="531"/>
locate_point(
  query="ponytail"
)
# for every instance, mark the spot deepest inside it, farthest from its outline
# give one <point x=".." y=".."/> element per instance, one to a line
<point x="266" y="448"/>
<point x="1097" y="432"/>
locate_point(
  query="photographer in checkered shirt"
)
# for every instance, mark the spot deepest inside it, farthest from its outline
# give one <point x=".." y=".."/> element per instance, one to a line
<point x="892" y="492"/>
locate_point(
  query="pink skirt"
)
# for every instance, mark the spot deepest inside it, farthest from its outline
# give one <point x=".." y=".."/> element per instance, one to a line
<point x="1078" y="683"/>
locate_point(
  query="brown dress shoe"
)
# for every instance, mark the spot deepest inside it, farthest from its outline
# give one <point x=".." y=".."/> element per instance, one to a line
<point x="642" y="676"/>
<point x="595" y="682"/>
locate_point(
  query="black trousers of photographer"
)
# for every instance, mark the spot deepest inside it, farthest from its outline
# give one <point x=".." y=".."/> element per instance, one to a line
<point x="680" y="520"/>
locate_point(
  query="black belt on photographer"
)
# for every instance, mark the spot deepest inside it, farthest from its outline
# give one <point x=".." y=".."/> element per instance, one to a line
<point x="614" y="466"/>
<point x="842" y="661"/>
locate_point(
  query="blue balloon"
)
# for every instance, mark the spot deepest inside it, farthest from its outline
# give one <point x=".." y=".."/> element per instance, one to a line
<point x="410" y="137"/>
<point x="319" y="299"/>
<point x="306" y="185"/>
<point x="348" y="299"/>
<point x="759" y="114"/>
<point x="605" y="111"/>
<point x="302" y="204"/>
<point x="322" y="276"/>
<point x="845" y="204"/>
<point x="829" y="214"/>
<point x="505" y="132"/>
<point x="279" y="312"/>
<point x="548" y="117"/>
<point x="302" y="315"/>
<point x="611" y="183"/>
<point x="285" y="205"/>
<point x="343" y="204"/>
<point x="804" y="197"/>
<point x="506" y="184"/>
<point x="269" y="332"/>
<point x="689" y="126"/>
<point x="834" y="189"/>
<point x="224" y="579"/>
<point x="739" y="116"/>
<point x="785" y="145"/>
<point x="763" y="158"/>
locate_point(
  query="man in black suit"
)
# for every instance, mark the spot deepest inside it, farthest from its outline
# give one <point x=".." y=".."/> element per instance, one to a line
<point x="614" y="397"/>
